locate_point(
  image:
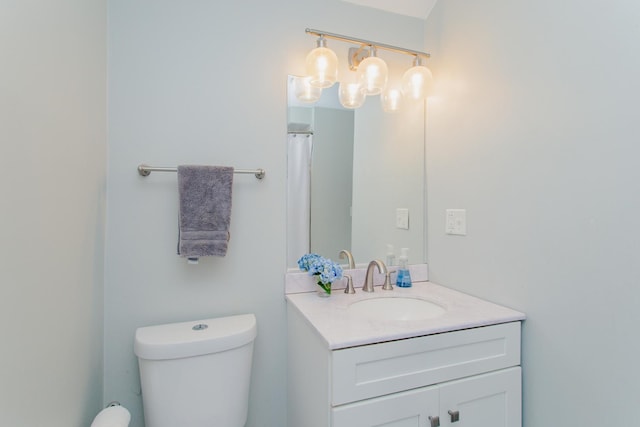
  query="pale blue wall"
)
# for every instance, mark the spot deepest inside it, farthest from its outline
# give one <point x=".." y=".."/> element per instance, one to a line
<point x="198" y="82"/>
<point x="534" y="131"/>
<point x="52" y="185"/>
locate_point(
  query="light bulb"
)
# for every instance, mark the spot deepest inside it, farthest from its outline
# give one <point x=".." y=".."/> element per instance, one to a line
<point x="391" y="100"/>
<point x="351" y="95"/>
<point x="304" y="91"/>
<point x="322" y="65"/>
<point x="372" y="74"/>
<point x="416" y="82"/>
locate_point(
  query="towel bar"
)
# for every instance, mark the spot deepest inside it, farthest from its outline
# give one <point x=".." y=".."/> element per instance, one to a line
<point x="145" y="170"/>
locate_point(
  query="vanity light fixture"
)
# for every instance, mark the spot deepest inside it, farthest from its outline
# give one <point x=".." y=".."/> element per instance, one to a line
<point x="322" y="65"/>
<point x="351" y="95"/>
<point x="304" y="91"/>
<point x="391" y="99"/>
<point x="372" y="72"/>
<point x="416" y="81"/>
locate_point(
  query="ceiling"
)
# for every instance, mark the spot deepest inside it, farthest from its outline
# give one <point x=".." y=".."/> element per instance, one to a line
<point x="416" y="8"/>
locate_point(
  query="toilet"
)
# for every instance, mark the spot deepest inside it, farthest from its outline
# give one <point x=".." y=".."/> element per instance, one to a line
<point x="196" y="374"/>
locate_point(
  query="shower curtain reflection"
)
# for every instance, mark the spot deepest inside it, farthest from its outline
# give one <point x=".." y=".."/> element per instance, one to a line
<point x="299" y="147"/>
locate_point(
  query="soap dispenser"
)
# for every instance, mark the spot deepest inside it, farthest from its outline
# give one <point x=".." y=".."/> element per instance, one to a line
<point x="391" y="256"/>
<point x="403" y="280"/>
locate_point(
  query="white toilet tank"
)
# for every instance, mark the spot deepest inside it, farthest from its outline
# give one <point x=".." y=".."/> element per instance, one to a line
<point x="196" y="374"/>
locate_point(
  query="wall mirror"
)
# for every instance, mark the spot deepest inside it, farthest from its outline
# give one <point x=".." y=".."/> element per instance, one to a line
<point x="349" y="171"/>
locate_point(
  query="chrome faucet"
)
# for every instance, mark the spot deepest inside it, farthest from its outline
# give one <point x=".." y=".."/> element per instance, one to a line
<point x="350" y="260"/>
<point x="368" y="278"/>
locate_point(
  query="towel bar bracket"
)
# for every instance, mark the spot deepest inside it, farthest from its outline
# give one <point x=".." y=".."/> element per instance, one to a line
<point x="145" y="170"/>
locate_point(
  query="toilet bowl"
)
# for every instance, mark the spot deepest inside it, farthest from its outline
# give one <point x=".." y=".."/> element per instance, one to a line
<point x="196" y="374"/>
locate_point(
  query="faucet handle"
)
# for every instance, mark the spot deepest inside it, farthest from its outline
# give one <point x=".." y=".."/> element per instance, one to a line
<point x="387" y="286"/>
<point x="349" y="289"/>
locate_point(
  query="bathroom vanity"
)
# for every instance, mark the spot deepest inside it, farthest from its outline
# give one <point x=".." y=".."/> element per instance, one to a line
<point x="437" y="357"/>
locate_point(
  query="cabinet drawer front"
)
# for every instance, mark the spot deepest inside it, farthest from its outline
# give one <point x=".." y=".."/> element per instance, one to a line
<point x="378" y="369"/>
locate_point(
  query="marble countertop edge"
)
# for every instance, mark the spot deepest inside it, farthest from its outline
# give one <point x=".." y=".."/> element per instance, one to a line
<point x="330" y="318"/>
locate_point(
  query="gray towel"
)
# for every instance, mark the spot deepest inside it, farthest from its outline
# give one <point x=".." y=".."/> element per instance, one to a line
<point x="205" y="210"/>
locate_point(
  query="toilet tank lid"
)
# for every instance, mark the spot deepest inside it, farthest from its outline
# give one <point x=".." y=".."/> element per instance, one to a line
<point x="186" y="339"/>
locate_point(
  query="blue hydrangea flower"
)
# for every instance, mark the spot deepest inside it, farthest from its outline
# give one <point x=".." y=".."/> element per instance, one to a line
<point x="330" y="272"/>
<point x="325" y="270"/>
<point x="308" y="261"/>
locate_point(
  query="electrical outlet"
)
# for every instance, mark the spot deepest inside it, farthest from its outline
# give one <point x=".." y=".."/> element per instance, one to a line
<point x="402" y="218"/>
<point x="456" y="222"/>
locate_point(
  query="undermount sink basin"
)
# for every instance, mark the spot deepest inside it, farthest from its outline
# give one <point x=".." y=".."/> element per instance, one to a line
<point x="396" y="308"/>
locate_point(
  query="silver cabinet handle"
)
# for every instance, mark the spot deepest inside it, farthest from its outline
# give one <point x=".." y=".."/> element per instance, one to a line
<point x="455" y="416"/>
<point x="435" y="421"/>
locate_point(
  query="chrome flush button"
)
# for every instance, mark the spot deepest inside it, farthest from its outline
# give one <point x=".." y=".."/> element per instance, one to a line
<point x="200" y="327"/>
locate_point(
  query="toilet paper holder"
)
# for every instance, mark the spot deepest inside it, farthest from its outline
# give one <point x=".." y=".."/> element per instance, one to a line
<point x="114" y="414"/>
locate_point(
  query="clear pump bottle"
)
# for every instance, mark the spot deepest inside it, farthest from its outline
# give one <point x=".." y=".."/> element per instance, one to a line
<point x="391" y="256"/>
<point x="403" y="280"/>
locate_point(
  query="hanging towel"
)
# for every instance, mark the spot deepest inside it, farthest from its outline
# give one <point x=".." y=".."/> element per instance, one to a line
<point x="205" y="210"/>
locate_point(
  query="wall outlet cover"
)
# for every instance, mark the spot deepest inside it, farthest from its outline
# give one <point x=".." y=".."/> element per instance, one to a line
<point x="402" y="218"/>
<point x="456" y="222"/>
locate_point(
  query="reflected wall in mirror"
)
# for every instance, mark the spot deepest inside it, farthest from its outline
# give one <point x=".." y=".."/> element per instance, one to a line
<point x="348" y="173"/>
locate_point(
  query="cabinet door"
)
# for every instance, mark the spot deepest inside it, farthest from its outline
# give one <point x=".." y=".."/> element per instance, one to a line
<point x="488" y="400"/>
<point x="407" y="409"/>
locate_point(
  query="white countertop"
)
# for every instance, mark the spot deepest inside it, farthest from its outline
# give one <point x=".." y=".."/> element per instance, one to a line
<point x="340" y="329"/>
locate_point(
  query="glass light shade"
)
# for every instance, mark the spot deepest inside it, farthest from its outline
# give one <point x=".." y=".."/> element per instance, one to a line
<point x="416" y="82"/>
<point x="351" y="95"/>
<point x="372" y="75"/>
<point x="304" y="91"/>
<point x="391" y="100"/>
<point x="322" y="67"/>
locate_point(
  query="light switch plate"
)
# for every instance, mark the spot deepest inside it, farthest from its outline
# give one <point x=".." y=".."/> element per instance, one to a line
<point x="402" y="218"/>
<point x="456" y="222"/>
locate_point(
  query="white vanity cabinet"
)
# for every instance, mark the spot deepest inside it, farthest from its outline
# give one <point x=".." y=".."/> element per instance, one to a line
<point x="463" y="378"/>
<point x="491" y="400"/>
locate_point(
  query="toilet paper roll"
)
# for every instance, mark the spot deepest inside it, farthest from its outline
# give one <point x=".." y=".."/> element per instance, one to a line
<point x="113" y="416"/>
